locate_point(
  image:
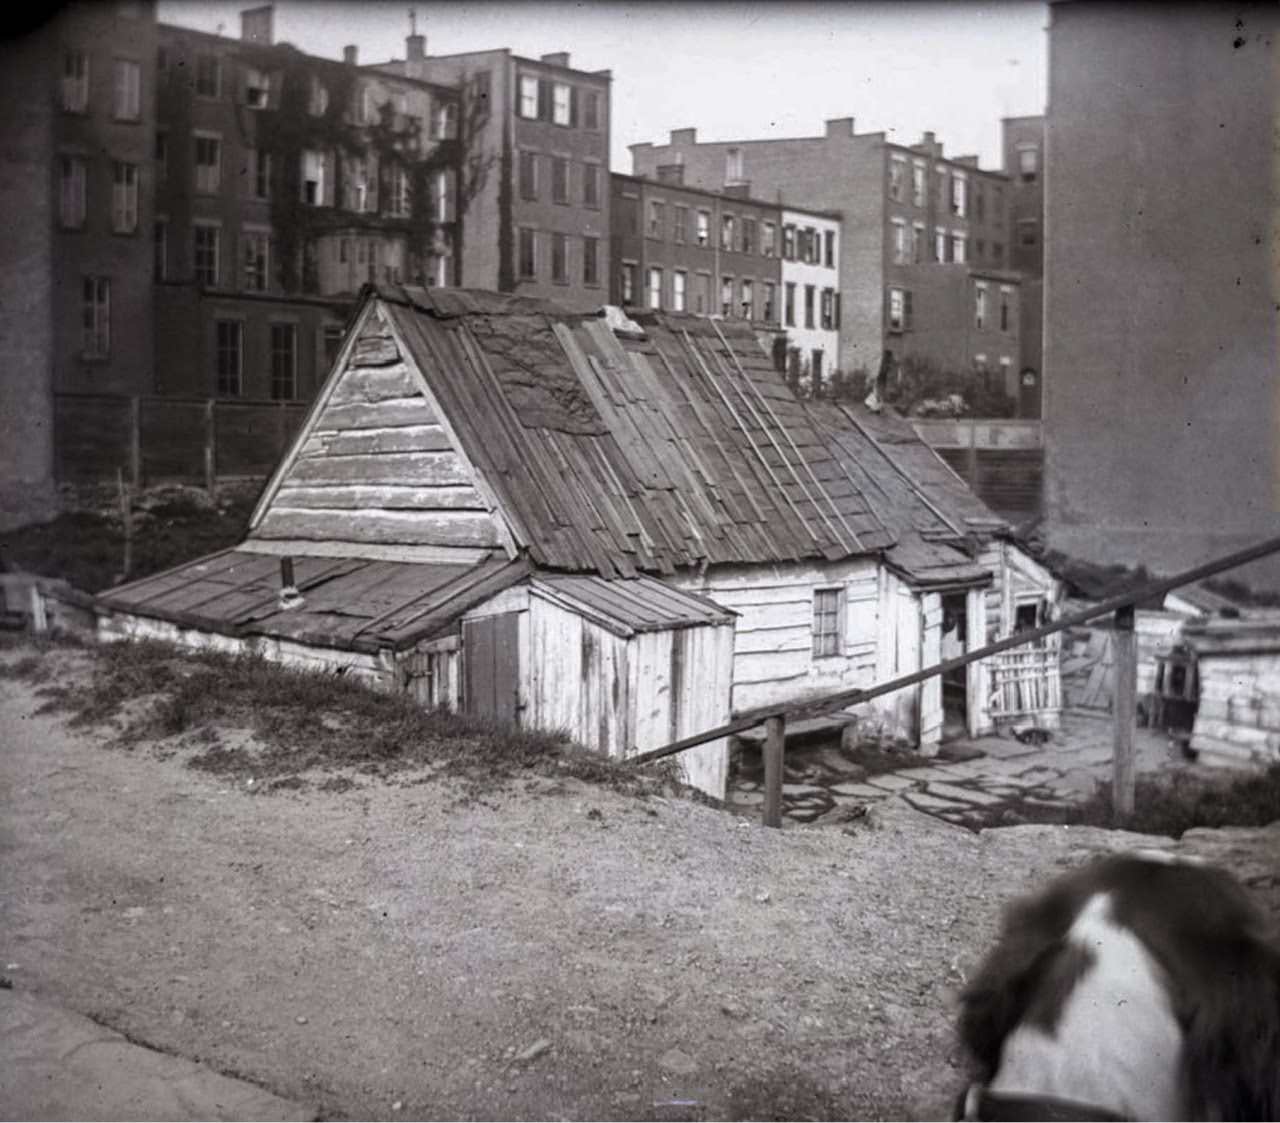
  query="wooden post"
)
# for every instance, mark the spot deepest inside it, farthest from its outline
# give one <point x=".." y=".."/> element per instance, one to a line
<point x="135" y="441"/>
<point x="971" y="456"/>
<point x="1124" y="706"/>
<point x="126" y="521"/>
<point x="775" y="736"/>
<point x="210" y="451"/>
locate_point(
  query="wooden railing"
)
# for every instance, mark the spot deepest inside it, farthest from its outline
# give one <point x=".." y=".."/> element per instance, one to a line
<point x="1120" y="607"/>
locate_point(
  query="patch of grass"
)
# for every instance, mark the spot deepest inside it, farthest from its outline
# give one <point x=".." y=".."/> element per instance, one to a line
<point x="1180" y="801"/>
<point x="304" y="721"/>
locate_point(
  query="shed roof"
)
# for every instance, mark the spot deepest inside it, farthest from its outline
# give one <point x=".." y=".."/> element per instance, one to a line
<point x="1258" y="633"/>
<point x="350" y="603"/>
<point x="618" y="457"/>
<point x="629" y="607"/>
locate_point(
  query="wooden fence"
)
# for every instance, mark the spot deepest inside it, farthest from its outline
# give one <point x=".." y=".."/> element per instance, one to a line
<point x="1003" y="461"/>
<point x="161" y="438"/>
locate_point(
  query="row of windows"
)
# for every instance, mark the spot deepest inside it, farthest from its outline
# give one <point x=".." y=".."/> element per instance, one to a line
<point x="740" y="234"/>
<point x="559" y="102"/>
<point x="229" y="351"/>
<point x="259" y="89"/>
<point x="74" y="192"/>
<point x="551" y="177"/>
<point x="126" y="86"/>
<point x="737" y="297"/>
<point x="910" y="244"/>
<point x="549" y="254"/>
<point x="952" y="189"/>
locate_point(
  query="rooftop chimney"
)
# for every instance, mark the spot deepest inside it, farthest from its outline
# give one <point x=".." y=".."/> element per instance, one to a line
<point x="256" y="25"/>
<point x="559" y="58"/>
<point x="684" y="136"/>
<point x="839" y="126"/>
<point x="415" y="48"/>
<point x="349" y="53"/>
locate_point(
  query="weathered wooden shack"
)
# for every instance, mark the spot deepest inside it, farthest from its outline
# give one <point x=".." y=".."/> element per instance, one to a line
<point x="1238" y="665"/>
<point x="628" y="531"/>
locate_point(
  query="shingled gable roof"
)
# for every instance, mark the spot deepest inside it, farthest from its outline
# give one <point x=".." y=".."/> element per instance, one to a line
<point x="622" y="456"/>
<point x="930" y="510"/>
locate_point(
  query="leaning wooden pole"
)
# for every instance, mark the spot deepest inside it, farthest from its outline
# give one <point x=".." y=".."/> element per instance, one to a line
<point x="1124" y="707"/>
<point x="775" y="739"/>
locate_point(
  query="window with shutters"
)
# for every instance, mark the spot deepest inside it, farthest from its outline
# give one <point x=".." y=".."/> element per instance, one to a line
<point x="810" y="292"/>
<point x="726" y="296"/>
<point x="679" y="282"/>
<point x="917" y="184"/>
<point x="827" y="309"/>
<point x="627" y="282"/>
<point x="528" y="174"/>
<point x="126" y="97"/>
<point x="208" y="164"/>
<point x="748" y="302"/>
<point x="748" y="235"/>
<point x="590" y="261"/>
<point x="256" y="245"/>
<point x="208" y="75"/>
<point x="124" y="198"/>
<point x="680" y="224"/>
<point x="228" y="357"/>
<point x="959" y="248"/>
<point x="769" y="239"/>
<point x="444" y="121"/>
<point x="897" y="177"/>
<point x="769" y="311"/>
<point x="899" y="241"/>
<point x="528" y="257"/>
<point x="560" y="258"/>
<point x="828" y="621"/>
<point x="1006" y="297"/>
<point x="980" y="304"/>
<point x="591" y="185"/>
<point x="75" y="81"/>
<point x="561" y="102"/>
<point x="789" y="242"/>
<point x="398" y="193"/>
<point x="257" y="88"/>
<point x="72" y="173"/>
<point x="727" y="230"/>
<point x="654" y="288"/>
<point x="959" y="195"/>
<point x="206" y="242"/>
<point x="704" y="227"/>
<point x="899" y="309"/>
<point x="790" y="304"/>
<point x="261" y="174"/>
<point x="653" y="227"/>
<point x="529" y="97"/>
<point x="918" y="242"/>
<point x="95" y="339"/>
<point x="829" y="240"/>
<point x="702" y="293"/>
<point x="559" y="179"/>
<point x="590" y="109"/>
<point x="313" y="168"/>
<point x="284" y="362"/>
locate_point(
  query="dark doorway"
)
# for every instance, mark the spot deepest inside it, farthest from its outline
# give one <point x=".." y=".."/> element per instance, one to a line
<point x="955" y="641"/>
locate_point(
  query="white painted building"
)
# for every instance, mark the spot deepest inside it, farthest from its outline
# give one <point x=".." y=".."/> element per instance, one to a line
<point x="811" y="293"/>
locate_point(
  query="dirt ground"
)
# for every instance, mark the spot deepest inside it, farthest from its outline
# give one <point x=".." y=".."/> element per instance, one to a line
<point x="552" y="951"/>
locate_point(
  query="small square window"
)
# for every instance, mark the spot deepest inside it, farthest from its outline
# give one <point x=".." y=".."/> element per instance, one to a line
<point x="828" y="622"/>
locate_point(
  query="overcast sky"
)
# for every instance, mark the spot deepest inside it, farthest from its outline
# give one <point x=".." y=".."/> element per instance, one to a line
<point x="733" y="70"/>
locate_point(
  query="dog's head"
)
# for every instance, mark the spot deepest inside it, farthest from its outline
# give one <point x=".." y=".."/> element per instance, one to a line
<point x="1215" y="958"/>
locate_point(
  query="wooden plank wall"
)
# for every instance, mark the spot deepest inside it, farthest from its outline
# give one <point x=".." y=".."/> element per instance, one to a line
<point x="1238" y="721"/>
<point x="773" y="647"/>
<point x="1009" y="481"/>
<point x="377" y="466"/>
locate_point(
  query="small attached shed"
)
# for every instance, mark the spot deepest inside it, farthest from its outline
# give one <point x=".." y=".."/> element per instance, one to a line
<point x="1238" y="664"/>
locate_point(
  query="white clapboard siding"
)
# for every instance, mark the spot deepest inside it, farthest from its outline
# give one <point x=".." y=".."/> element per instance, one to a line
<point x="931" y="688"/>
<point x="426" y="469"/>
<point x="374" y="384"/>
<point x="390" y="414"/>
<point x="773" y="643"/>
<point x="388" y="497"/>
<point x="353" y="442"/>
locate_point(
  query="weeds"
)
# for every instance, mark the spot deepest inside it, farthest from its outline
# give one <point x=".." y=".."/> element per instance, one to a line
<point x="1173" y="804"/>
<point x="302" y="721"/>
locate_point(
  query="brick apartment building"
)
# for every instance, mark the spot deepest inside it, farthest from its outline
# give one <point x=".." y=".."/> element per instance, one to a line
<point x="722" y="253"/>
<point x="535" y="170"/>
<point x="1022" y="140"/>
<point x="903" y="208"/>
<point x="284" y="183"/>
<point x="1161" y="335"/>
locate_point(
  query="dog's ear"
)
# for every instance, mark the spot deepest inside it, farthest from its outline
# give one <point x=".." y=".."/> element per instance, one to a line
<point x="1232" y="1036"/>
<point x="1026" y="970"/>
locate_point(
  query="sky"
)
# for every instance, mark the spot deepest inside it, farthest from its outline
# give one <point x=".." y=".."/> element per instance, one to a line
<point x="733" y="70"/>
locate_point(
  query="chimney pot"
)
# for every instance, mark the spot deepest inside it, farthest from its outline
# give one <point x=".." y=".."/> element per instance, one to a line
<point x="415" y="48"/>
<point x="349" y="54"/>
<point x="286" y="572"/>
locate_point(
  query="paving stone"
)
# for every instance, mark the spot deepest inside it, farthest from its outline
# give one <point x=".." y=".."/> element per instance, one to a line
<point x="801" y="789"/>
<point x="1003" y="750"/>
<point x="862" y="791"/>
<point x="964" y="795"/>
<point x="746" y="799"/>
<point x="931" y="802"/>
<point x="890" y="782"/>
<point x="933" y="772"/>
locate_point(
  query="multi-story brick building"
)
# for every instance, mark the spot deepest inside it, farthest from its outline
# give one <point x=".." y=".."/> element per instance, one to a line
<point x="902" y="207"/>
<point x="285" y="182"/>
<point x="722" y="253"/>
<point x="535" y="170"/>
<point x="1161" y="334"/>
<point x="1024" y="164"/>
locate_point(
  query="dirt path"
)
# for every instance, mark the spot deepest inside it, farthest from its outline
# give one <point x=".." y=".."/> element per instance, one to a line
<point x="560" y="953"/>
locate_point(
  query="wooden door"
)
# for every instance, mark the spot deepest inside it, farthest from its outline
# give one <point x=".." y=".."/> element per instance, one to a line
<point x="491" y="662"/>
<point x="931" y="653"/>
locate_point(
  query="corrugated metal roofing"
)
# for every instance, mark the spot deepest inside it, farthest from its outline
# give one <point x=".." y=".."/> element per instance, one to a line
<point x="351" y="603"/>
<point x="645" y="456"/>
<point x="641" y="604"/>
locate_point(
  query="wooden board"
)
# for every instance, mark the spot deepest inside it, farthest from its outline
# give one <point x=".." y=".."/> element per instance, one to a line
<point x="395" y="468"/>
<point x="422" y="528"/>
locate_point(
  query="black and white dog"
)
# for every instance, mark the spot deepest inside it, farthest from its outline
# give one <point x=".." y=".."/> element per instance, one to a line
<point x="1136" y="988"/>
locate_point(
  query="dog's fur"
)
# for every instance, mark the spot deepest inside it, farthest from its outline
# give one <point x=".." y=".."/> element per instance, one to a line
<point x="1146" y="987"/>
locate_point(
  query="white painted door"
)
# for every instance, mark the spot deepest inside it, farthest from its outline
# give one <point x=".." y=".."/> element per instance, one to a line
<point x="931" y="688"/>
